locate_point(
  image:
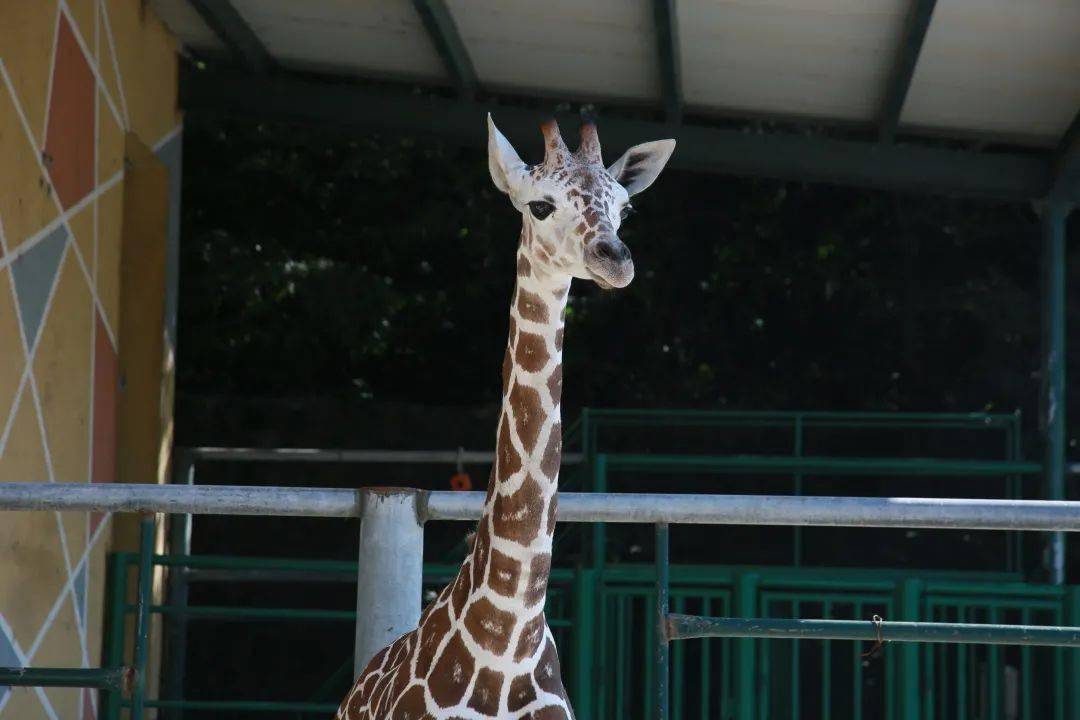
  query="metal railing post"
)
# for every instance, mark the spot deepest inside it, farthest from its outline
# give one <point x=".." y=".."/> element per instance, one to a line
<point x="142" y="615"/>
<point x="909" y="670"/>
<point x="176" y="625"/>
<point x="1052" y="406"/>
<point x="746" y="594"/>
<point x="389" y="581"/>
<point x="662" y="650"/>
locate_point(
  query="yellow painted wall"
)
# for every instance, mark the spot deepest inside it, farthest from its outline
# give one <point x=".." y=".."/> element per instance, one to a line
<point x="81" y="83"/>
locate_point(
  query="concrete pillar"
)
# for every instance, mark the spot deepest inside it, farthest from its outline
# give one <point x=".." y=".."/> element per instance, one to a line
<point x="389" y="571"/>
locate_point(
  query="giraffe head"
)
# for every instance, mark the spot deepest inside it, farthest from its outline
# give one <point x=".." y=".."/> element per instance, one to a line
<point x="571" y="205"/>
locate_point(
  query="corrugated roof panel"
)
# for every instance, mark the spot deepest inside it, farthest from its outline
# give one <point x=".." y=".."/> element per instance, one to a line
<point x="999" y="67"/>
<point x="596" y="49"/>
<point x="347" y="37"/>
<point x="821" y="58"/>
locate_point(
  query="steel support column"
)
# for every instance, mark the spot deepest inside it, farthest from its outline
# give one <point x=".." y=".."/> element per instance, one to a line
<point x="389" y="570"/>
<point x="172" y="676"/>
<point x="1052" y="406"/>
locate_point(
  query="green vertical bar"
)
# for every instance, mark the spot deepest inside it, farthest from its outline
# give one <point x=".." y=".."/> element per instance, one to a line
<point x="142" y="615"/>
<point x="795" y="613"/>
<point x="857" y="681"/>
<point x="706" y="670"/>
<point x="994" y="671"/>
<point x="1025" y="671"/>
<point x="797" y="538"/>
<point x="622" y="654"/>
<point x="910" y="597"/>
<point x="1059" y="671"/>
<point x="1053" y="217"/>
<point x="585" y="650"/>
<point x="660" y="639"/>
<point x="1073" y="609"/>
<point x="599" y="481"/>
<point x="746" y="592"/>
<point x="114" y="650"/>
<point x="826" y="667"/>
<point x="961" y="670"/>
<point x="678" y="666"/>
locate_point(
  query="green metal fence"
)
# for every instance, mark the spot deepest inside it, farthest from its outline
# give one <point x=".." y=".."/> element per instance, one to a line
<point x="608" y="661"/>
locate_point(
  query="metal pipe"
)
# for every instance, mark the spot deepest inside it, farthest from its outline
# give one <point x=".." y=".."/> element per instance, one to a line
<point x="649" y="508"/>
<point x="113" y="678"/>
<point x="684" y="627"/>
<point x="1053" y="400"/>
<point x="397" y="457"/>
<point x="390" y="570"/>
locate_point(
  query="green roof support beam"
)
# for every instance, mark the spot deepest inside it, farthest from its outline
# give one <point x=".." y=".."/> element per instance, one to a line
<point x="237" y="35"/>
<point x="918" y="23"/>
<point x="1010" y="176"/>
<point x="447" y="40"/>
<point x="667" y="42"/>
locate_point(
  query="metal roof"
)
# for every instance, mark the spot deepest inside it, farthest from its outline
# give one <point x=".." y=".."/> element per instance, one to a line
<point x="992" y="72"/>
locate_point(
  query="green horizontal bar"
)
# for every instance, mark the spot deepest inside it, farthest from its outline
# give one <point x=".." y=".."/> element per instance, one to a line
<point x="100" y="678"/>
<point x="682" y="627"/>
<point x="248" y="613"/>
<point x="241" y="705"/>
<point x="823" y="465"/>
<point x="995" y="589"/>
<point x="603" y="414"/>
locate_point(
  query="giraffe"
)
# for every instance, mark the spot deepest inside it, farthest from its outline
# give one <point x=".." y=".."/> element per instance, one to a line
<point x="483" y="648"/>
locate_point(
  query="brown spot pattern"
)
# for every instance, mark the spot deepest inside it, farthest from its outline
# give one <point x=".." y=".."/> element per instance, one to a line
<point x="538" y="579"/>
<point x="507" y="368"/>
<point x="480" y="555"/>
<point x="431" y="634"/>
<point x="504" y="574"/>
<point x="460" y="594"/>
<point x="528" y="415"/>
<point x="523" y="266"/>
<point x="486" y="692"/>
<point x="531" y="635"/>
<point x="509" y="459"/>
<point x="531" y="307"/>
<point x="546" y="673"/>
<point x="558" y="339"/>
<point x="411" y="706"/>
<point x="489" y="626"/>
<point x="532" y="353"/>
<point x="452" y="672"/>
<point x="549" y="464"/>
<point x="517" y="517"/>
<point x="522" y="693"/>
<point x="553" y="508"/>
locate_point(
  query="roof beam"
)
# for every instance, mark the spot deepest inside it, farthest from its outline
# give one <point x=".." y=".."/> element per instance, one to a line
<point x="896" y="92"/>
<point x="918" y="168"/>
<point x="1066" y="184"/>
<point x="447" y="40"/>
<point x="234" y="31"/>
<point x="667" y="41"/>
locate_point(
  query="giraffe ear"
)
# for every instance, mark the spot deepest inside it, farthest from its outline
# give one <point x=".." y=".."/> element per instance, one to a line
<point x="507" y="169"/>
<point x="640" y="165"/>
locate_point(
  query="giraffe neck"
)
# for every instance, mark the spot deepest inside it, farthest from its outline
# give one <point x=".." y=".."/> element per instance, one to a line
<point x="512" y="552"/>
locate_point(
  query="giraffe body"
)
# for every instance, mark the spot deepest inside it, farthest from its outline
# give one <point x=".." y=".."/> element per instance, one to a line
<point x="483" y="648"/>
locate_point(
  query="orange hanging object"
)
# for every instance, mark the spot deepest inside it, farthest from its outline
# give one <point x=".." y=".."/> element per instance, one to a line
<point x="461" y="481"/>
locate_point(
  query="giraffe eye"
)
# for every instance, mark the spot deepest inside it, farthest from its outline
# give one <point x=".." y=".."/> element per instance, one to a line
<point x="541" y="209"/>
<point x="627" y="211"/>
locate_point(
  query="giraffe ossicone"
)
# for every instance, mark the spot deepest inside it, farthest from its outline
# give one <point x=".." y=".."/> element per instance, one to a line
<point x="483" y="648"/>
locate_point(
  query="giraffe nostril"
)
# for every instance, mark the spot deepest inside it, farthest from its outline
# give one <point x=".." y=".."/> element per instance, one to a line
<point x="612" y="251"/>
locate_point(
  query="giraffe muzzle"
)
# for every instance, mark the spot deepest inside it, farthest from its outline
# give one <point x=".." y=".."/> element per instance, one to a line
<point x="609" y="263"/>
